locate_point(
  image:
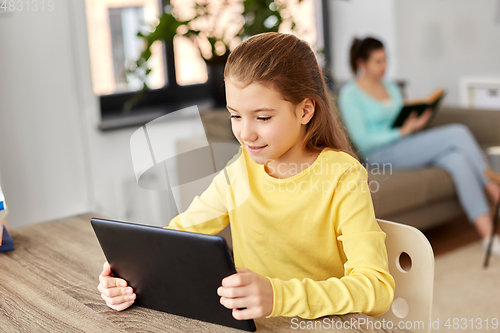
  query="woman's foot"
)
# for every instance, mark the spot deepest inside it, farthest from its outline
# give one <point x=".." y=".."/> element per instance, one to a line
<point x="494" y="192"/>
<point x="495" y="247"/>
<point x="484" y="226"/>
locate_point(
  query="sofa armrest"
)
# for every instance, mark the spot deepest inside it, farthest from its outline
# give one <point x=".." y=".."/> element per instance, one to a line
<point x="484" y="124"/>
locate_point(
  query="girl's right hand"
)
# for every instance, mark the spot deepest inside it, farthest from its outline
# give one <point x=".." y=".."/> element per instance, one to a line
<point x="114" y="291"/>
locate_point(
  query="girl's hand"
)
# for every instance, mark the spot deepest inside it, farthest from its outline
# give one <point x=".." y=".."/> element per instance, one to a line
<point x="415" y="123"/>
<point x="249" y="290"/>
<point x="114" y="291"/>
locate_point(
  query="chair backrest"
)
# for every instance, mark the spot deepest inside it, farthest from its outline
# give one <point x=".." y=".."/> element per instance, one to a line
<point x="412" y="304"/>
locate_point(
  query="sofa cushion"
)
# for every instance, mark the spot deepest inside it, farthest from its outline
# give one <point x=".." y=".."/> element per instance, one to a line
<point x="430" y="215"/>
<point x="483" y="124"/>
<point x="397" y="191"/>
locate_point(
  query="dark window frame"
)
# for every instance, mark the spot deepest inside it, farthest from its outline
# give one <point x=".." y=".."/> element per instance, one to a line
<point x="172" y="96"/>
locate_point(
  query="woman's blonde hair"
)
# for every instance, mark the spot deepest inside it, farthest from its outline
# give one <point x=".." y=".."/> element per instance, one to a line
<point x="289" y="65"/>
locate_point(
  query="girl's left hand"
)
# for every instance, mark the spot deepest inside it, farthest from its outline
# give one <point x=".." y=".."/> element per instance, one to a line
<point x="249" y="290"/>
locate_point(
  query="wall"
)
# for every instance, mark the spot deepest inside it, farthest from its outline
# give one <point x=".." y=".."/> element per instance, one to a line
<point x="42" y="156"/>
<point x="54" y="161"/>
<point x="442" y="41"/>
<point x="430" y="43"/>
<point x="361" y="18"/>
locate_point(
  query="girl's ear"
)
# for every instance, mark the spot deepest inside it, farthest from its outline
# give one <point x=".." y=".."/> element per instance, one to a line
<point x="308" y="106"/>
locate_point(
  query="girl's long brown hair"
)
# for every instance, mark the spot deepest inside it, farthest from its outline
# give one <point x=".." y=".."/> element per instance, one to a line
<point x="289" y="65"/>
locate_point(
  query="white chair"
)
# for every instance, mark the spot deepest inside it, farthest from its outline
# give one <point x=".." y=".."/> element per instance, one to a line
<point x="412" y="304"/>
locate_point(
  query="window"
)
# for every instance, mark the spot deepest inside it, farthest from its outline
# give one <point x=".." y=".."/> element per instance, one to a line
<point x="124" y="23"/>
<point x="179" y="71"/>
<point x="190" y="67"/>
<point x="113" y="43"/>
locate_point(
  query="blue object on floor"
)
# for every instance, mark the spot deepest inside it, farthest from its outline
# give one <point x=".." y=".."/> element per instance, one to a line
<point x="7" y="241"/>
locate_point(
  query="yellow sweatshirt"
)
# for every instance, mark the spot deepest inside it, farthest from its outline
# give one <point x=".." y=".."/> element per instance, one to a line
<point x="313" y="235"/>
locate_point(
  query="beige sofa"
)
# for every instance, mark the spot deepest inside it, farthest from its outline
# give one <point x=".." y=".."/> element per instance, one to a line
<point x="426" y="197"/>
<point x="422" y="197"/>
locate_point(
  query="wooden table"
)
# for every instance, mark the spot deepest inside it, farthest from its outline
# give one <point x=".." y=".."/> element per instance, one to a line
<point x="49" y="284"/>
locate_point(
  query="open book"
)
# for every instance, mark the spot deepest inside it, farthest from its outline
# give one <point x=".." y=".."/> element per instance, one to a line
<point x="432" y="102"/>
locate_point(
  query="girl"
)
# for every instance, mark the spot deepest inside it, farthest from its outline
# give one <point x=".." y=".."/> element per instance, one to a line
<point x="370" y="105"/>
<point x="305" y="239"/>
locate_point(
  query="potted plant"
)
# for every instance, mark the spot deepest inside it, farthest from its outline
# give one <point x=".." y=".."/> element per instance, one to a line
<point x="206" y="25"/>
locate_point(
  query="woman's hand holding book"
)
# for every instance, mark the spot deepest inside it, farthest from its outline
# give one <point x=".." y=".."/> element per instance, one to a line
<point x="414" y="123"/>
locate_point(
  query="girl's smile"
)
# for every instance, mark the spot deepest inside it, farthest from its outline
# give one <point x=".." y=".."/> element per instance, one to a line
<point x="270" y="128"/>
<point x="255" y="149"/>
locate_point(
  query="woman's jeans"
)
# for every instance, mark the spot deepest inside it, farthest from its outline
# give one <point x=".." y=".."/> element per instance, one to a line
<point x="452" y="147"/>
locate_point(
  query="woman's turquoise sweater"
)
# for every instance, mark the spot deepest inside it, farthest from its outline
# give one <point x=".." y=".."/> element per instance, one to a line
<point x="369" y="121"/>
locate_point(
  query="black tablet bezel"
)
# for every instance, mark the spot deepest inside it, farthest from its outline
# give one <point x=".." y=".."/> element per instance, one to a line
<point x="124" y="249"/>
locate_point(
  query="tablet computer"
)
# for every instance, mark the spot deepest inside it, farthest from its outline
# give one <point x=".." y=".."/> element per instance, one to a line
<point x="170" y="270"/>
